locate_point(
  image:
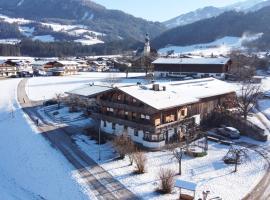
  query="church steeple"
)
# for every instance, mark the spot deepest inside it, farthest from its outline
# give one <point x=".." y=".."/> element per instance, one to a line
<point x="147" y="48"/>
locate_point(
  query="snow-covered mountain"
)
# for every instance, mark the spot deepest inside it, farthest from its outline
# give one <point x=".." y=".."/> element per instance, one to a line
<point x="209" y="12"/>
<point x="97" y="18"/>
<point x="50" y="32"/>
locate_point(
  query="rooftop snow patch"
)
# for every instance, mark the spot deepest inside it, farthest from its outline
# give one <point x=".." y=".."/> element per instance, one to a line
<point x="90" y="90"/>
<point x="169" y="95"/>
<point x="178" y="93"/>
<point x="190" y="61"/>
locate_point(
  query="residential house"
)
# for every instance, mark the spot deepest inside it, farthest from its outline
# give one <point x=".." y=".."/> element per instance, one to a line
<point x="196" y="67"/>
<point x="154" y="114"/>
<point x="6" y="69"/>
<point x="62" y="68"/>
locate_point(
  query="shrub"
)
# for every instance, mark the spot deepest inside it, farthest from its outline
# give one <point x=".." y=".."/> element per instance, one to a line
<point x="140" y="161"/>
<point x="121" y="144"/>
<point x="166" y="180"/>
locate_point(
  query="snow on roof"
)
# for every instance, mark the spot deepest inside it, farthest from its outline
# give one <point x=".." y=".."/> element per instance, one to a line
<point x="178" y="93"/>
<point x="90" y="90"/>
<point x="188" y="61"/>
<point x="185" y="185"/>
<point x="2" y="62"/>
<point x="67" y="62"/>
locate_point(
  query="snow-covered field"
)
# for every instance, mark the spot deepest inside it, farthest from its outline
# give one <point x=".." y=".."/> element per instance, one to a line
<point x="44" y="38"/>
<point x="209" y="173"/>
<point x="30" y="168"/>
<point x="220" y="46"/>
<point x="40" y="88"/>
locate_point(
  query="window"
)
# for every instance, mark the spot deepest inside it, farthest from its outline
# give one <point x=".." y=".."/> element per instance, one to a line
<point x="161" y="136"/>
<point x="146" y="135"/>
<point x="113" y="126"/>
<point x="183" y="113"/>
<point x="136" y="132"/>
<point x="147" y="117"/>
<point x="119" y="97"/>
<point x="134" y="100"/>
<point x="126" y="113"/>
<point x="125" y="128"/>
<point x="154" y="138"/>
<point x="105" y="124"/>
<point x="142" y="116"/>
<point x="134" y="115"/>
<point x="157" y="122"/>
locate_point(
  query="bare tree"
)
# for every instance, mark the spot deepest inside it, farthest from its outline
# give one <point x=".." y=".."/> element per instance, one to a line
<point x="112" y="78"/>
<point x="122" y="145"/>
<point x="178" y="155"/>
<point x="140" y="160"/>
<point x="58" y="97"/>
<point x="166" y="180"/>
<point x="249" y="95"/>
<point x="244" y="65"/>
<point x="131" y="149"/>
<point x="236" y="155"/>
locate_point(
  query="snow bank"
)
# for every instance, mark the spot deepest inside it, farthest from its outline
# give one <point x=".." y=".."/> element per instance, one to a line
<point x="30" y="167"/>
<point x="40" y="88"/>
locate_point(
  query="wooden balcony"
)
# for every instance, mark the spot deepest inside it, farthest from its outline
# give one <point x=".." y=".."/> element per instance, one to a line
<point x="142" y="125"/>
<point x="188" y="122"/>
<point x="128" y="123"/>
<point x="126" y="107"/>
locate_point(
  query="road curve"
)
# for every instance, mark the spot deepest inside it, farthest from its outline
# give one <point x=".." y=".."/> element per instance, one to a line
<point x="262" y="189"/>
<point x="98" y="181"/>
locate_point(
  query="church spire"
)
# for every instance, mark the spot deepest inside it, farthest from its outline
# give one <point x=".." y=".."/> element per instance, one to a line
<point x="147" y="48"/>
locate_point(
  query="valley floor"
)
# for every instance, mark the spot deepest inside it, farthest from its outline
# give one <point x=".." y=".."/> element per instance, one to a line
<point x="30" y="162"/>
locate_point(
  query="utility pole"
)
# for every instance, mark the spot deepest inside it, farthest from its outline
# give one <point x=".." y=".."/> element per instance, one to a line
<point x="99" y="151"/>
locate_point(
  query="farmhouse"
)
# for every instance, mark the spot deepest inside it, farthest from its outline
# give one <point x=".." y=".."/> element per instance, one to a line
<point x="195" y="67"/>
<point x="7" y="68"/>
<point x="156" y="113"/>
<point x="62" y="68"/>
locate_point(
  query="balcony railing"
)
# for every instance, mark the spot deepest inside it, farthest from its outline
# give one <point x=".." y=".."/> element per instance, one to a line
<point x="126" y="107"/>
<point x="128" y="123"/>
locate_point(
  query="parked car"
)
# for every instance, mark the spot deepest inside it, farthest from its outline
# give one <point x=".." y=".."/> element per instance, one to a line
<point x="50" y="102"/>
<point x="267" y="94"/>
<point x="229" y="132"/>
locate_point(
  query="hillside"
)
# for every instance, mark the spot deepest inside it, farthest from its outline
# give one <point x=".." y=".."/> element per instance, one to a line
<point x="112" y="23"/>
<point x="209" y="12"/>
<point x="227" y="24"/>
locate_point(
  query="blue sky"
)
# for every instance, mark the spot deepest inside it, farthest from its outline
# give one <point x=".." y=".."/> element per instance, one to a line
<point x="161" y="10"/>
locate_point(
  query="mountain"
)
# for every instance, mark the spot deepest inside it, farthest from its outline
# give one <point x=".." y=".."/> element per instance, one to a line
<point x="209" y="12"/>
<point x="113" y="24"/>
<point x="227" y="24"/>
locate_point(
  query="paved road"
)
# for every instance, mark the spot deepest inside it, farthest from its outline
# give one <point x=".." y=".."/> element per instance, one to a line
<point x="262" y="190"/>
<point x="99" y="181"/>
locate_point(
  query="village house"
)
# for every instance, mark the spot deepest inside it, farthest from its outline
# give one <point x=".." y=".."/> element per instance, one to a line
<point x="153" y="114"/>
<point x="62" y="68"/>
<point x="194" y="67"/>
<point x="7" y="69"/>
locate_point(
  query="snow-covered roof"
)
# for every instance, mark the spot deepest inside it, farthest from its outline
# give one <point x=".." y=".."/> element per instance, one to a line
<point x="90" y="90"/>
<point x="2" y="62"/>
<point x="189" y="61"/>
<point x="178" y="93"/>
<point x="67" y="62"/>
<point x="185" y="185"/>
